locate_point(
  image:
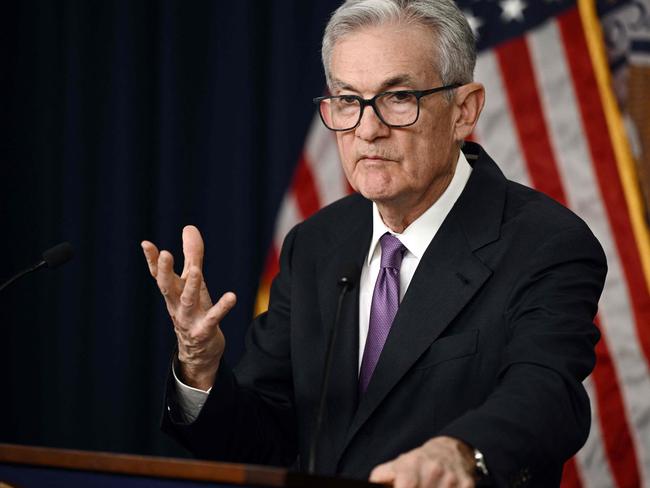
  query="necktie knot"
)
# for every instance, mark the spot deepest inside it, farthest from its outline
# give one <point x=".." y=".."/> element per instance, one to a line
<point x="392" y="251"/>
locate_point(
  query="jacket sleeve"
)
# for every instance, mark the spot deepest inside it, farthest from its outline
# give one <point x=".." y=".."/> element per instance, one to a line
<point x="539" y="412"/>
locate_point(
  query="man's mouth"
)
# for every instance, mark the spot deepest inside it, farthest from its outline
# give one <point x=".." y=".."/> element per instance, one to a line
<point x="373" y="157"/>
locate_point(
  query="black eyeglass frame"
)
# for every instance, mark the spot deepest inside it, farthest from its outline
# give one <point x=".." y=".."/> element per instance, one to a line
<point x="365" y="102"/>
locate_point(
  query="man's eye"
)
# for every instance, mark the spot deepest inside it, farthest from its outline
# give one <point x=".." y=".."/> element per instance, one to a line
<point x="399" y="97"/>
<point x="347" y="100"/>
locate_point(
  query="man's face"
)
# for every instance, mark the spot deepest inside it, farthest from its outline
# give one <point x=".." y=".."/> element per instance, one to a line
<point x="395" y="167"/>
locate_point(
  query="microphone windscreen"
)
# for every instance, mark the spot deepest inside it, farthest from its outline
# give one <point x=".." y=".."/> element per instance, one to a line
<point x="349" y="274"/>
<point x="58" y="255"/>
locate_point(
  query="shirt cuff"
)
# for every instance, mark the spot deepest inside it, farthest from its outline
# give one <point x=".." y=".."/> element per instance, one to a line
<point x="190" y="400"/>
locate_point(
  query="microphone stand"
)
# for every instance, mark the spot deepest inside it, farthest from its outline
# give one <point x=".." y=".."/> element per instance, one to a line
<point x="346" y="285"/>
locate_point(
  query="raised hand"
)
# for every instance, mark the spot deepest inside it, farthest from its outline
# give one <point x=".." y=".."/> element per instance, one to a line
<point x="196" y="320"/>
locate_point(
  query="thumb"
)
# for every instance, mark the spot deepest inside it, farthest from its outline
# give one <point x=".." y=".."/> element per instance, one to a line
<point x="220" y="309"/>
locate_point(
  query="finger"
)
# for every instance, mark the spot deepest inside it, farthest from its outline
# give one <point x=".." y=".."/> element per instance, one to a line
<point x="167" y="279"/>
<point x="190" y="296"/>
<point x="384" y="473"/>
<point x="204" y="297"/>
<point x="406" y="479"/>
<point x="433" y="473"/>
<point x="220" y="309"/>
<point x="151" y="255"/>
<point x="449" y="480"/>
<point x="466" y="483"/>
<point x="192" y="249"/>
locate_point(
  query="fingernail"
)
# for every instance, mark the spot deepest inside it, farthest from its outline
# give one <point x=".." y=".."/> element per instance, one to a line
<point x="163" y="291"/>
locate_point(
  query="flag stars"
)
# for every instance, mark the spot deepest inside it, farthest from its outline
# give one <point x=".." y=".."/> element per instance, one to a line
<point x="512" y="10"/>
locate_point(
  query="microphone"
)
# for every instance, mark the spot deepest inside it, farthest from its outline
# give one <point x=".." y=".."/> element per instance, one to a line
<point x="348" y="275"/>
<point x="52" y="258"/>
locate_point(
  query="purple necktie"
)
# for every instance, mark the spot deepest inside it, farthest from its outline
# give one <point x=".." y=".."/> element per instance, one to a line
<point x="385" y="301"/>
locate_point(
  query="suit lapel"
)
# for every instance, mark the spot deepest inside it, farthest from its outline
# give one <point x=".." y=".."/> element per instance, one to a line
<point x="447" y="277"/>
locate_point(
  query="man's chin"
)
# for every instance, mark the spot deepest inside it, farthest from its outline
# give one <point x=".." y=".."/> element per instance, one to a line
<point x="377" y="188"/>
<point x="380" y="196"/>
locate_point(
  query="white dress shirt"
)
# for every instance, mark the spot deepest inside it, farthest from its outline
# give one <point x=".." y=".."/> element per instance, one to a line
<point x="416" y="238"/>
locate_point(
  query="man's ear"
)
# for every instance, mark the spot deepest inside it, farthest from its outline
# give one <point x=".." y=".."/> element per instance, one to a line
<point x="468" y="100"/>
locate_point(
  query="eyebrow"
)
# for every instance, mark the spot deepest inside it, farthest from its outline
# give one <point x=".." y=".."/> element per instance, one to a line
<point x="402" y="79"/>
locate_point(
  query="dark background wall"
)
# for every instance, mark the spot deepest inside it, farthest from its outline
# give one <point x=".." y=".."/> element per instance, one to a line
<point x="119" y="121"/>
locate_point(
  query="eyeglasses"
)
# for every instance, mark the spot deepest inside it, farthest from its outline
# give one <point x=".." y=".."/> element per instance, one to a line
<point x="394" y="108"/>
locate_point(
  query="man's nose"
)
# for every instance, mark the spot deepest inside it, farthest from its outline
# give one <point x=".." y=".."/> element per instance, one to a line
<point x="370" y="126"/>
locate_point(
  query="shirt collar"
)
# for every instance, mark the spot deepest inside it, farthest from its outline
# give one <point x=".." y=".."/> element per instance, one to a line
<point x="417" y="236"/>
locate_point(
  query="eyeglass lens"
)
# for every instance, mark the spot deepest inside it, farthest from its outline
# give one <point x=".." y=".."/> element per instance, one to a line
<point x="344" y="112"/>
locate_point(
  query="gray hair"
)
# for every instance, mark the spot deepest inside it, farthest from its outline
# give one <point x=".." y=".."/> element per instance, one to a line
<point x="453" y="39"/>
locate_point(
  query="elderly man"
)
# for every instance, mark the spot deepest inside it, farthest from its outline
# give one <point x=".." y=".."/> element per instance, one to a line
<point x="461" y="352"/>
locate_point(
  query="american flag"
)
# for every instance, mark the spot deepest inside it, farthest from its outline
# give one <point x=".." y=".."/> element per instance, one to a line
<point x="552" y="122"/>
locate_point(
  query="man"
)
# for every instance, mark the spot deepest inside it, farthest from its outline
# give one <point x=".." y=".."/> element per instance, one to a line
<point x="478" y="373"/>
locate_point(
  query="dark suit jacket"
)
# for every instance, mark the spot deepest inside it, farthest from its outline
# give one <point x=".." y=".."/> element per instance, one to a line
<point x="490" y="344"/>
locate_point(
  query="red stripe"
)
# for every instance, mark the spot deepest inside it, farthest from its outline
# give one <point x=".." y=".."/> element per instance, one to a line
<point x="526" y="107"/>
<point x="304" y="189"/>
<point x="570" y="478"/>
<point x="602" y="154"/>
<point x="611" y="413"/>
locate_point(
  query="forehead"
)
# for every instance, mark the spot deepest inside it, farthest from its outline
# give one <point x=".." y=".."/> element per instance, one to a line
<point x="369" y="58"/>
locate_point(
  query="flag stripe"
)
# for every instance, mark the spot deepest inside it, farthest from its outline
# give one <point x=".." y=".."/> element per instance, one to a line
<point x="570" y="477"/>
<point x="308" y="197"/>
<point x="288" y="217"/>
<point x="577" y="173"/>
<point x="525" y="105"/>
<point x="496" y="122"/>
<point x="615" y="429"/>
<point x="592" y="461"/>
<point x="323" y="158"/>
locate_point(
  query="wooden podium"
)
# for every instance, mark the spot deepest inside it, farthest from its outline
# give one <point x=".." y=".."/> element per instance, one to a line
<point x="28" y="467"/>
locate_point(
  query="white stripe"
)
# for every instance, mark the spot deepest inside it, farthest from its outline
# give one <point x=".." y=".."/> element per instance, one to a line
<point x="583" y="194"/>
<point x="592" y="461"/>
<point x="323" y="160"/>
<point x="496" y="129"/>
<point x="288" y="216"/>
